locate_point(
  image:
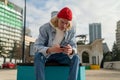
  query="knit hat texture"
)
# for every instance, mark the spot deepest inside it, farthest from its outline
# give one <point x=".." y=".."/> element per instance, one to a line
<point x="65" y="13"/>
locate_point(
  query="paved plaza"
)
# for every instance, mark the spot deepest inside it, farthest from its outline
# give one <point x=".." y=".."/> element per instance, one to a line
<point x="103" y="74"/>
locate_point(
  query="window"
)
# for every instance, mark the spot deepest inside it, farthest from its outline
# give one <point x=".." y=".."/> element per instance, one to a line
<point x="85" y="57"/>
<point x="94" y="60"/>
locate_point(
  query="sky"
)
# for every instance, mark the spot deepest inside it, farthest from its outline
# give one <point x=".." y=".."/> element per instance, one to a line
<point x="85" y="12"/>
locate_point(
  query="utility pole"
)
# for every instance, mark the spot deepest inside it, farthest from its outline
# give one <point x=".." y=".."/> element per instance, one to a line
<point x="24" y="29"/>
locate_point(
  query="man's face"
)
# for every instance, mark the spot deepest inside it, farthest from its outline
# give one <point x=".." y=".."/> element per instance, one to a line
<point x="63" y="24"/>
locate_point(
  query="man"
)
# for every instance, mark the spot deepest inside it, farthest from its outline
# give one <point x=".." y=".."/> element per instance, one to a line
<point x="56" y="42"/>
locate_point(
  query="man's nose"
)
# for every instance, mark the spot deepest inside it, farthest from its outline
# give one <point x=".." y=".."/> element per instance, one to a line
<point x="65" y="25"/>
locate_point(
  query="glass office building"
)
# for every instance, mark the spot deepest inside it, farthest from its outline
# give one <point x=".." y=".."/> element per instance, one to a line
<point x="118" y="34"/>
<point x="94" y="31"/>
<point x="11" y="24"/>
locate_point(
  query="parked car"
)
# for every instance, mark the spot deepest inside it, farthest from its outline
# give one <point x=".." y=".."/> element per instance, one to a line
<point x="9" y="65"/>
<point x="0" y="64"/>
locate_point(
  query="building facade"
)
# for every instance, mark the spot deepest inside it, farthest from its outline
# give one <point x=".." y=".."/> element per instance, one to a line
<point x="94" y="53"/>
<point x="118" y="34"/>
<point x="11" y="24"/>
<point x="28" y="40"/>
<point x="94" y="31"/>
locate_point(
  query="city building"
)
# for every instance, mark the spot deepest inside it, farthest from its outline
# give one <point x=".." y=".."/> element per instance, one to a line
<point x="91" y="54"/>
<point x="118" y="34"/>
<point x="54" y="13"/>
<point x="105" y="48"/>
<point x="28" y="40"/>
<point x="11" y="25"/>
<point x="94" y="31"/>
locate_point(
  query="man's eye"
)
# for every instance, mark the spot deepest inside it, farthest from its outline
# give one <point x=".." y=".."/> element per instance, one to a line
<point x="62" y="22"/>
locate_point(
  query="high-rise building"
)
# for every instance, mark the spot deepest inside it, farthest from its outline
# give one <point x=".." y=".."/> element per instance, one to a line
<point x="11" y="24"/>
<point x="105" y="48"/>
<point x="94" y="31"/>
<point x="118" y="34"/>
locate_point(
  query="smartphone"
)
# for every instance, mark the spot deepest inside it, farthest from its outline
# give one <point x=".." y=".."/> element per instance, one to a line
<point x="62" y="46"/>
<point x="65" y="44"/>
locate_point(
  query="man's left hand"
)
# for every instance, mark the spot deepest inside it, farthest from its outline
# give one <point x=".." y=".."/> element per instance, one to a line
<point x="68" y="49"/>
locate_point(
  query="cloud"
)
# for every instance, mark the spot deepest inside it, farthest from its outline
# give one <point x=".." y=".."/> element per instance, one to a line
<point x="18" y="2"/>
<point x="85" y="12"/>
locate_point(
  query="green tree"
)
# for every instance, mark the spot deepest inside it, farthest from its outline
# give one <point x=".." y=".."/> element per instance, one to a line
<point x="80" y="42"/>
<point x="106" y="57"/>
<point x="3" y="51"/>
<point x="13" y="51"/>
<point x="28" y="58"/>
<point x="18" y="52"/>
<point x="28" y="32"/>
<point x="116" y="52"/>
<point x="82" y="39"/>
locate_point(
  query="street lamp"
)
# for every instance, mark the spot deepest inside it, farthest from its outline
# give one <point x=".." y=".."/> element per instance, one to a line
<point x="24" y="28"/>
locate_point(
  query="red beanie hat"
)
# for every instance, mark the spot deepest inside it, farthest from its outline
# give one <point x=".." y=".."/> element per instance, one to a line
<point x="65" y="13"/>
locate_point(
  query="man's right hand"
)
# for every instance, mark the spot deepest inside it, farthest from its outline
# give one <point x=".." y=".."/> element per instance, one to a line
<point x="55" y="49"/>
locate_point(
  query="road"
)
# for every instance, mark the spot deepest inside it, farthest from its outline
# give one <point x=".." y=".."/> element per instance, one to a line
<point x="6" y="74"/>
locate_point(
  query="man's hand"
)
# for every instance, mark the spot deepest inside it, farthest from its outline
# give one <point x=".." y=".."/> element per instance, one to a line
<point x="68" y="49"/>
<point x="55" y="49"/>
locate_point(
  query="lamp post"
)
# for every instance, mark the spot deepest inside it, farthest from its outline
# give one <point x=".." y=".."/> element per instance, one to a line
<point x="24" y="28"/>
